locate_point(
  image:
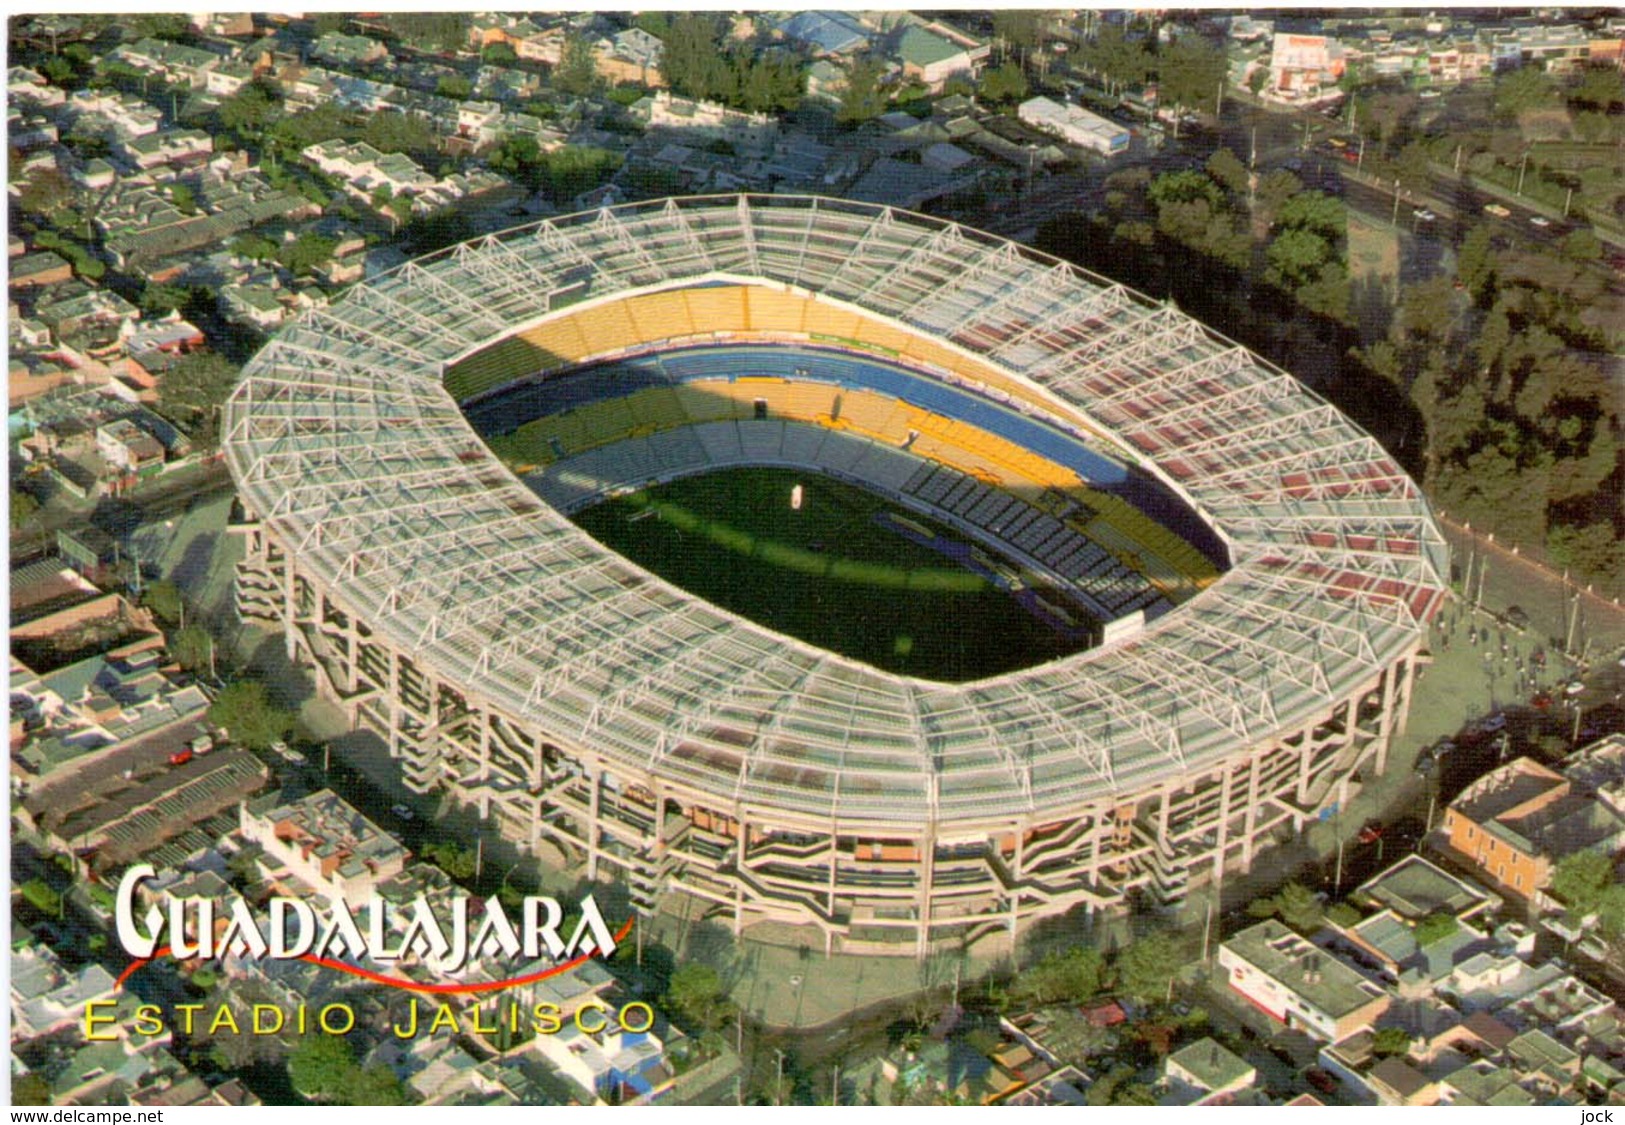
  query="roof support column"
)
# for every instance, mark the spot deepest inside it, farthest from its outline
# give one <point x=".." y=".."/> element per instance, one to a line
<point x="1251" y="813"/>
<point x="1223" y="841"/>
<point x="595" y="781"/>
<point x="927" y="873"/>
<point x="1385" y="724"/>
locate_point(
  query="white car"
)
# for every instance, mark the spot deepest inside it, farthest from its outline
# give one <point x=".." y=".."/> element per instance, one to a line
<point x="1424" y="215"/>
<point x="1574" y="688"/>
<point x="1539" y="221"/>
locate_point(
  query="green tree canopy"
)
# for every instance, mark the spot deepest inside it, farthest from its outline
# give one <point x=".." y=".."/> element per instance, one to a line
<point x="321" y="1066"/>
<point x="1146" y="968"/>
<point x="1004" y="83"/>
<point x="577" y="72"/>
<point x="453" y="86"/>
<point x="1316" y="212"/>
<point x="696" y="995"/>
<point x="1061" y="976"/>
<point x="248" y="715"/>
<point x="1389" y="1041"/>
<point x="1190" y="74"/>
<point x="1528" y="87"/>
<point x="23" y="507"/>
<point x="193" y="388"/>
<point x="1295" y="258"/>
<point x="862" y="99"/>
<point x="192" y="647"/>
<point x="164" y="598"/>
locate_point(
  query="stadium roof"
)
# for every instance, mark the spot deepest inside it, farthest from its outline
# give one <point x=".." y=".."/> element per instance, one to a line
<point x="343" y="439"/>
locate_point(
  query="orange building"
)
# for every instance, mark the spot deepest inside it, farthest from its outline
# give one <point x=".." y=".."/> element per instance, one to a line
<point x="1512" y="825"/>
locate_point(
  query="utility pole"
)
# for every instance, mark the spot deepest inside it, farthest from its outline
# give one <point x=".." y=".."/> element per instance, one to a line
<point x="1395" y="221"/>
<point x="1568" y="199"/>
<point x="1207" y="929"/>
<point x="778" y="1082"/>
<point x="479" y="856"/>
<point x="1522" y="166"/>
<point x="835" y="1086"/>
<point x="1457" y="167"/>
<point x="1359" y="161"/>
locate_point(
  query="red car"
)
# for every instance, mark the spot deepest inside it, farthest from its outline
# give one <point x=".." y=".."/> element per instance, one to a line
<point x="1541" y="700"/>
<point x="1370" y="834"/>
<point x="181" y="757"/>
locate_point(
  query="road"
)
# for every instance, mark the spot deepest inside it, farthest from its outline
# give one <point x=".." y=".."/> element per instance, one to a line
<point x="161" y="498"/>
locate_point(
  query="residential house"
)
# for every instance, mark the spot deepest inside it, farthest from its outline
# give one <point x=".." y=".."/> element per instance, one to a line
<point x="625" y="1067"/>
<point x="1205" y="1071"/>
<point x="1300" y="984"/>
<point x="1075" y="125"/>
<point x="632" y="55"/>
<point x="127" y="446"/>
<point x="1513" y="824"/>
<point x="828" y="34"/>
<point x="348" y="50"/>
<point x="43" y="267"/>
<point x="176" y="146"/>
<point x="326" y="843"/>
<point x="934" y="53"/>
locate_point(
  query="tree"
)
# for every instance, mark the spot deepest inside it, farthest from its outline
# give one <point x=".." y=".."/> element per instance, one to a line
<point x="1581" y="878"/>
<point x="1189" y="75"/>
<point x="692" y="61"/>
<point x="1581" y="245"/>
<point x="1316" y="212"/>
<point x="23" y="507"/>
<point x="164" y="599"/>
<point x="246" y="712"/>
<point x="1119" y="61"/>
<point x="1018" y="29"/>
<point x="458" y="862"/>
<point x="252" y="109"/>
<point x="1004" y="83"/>
<point x="1601" y="87"/>
<point x="1386" y="114"/>
<point x="321" y="1066"/>
<point x="1061" y="976"/>
<point x="1389" y="1041"/>
<point x="1412" y="165"/>
<point x="1299" y="907"/>
<point x="192" y="648"/>
<point x="499" y="54"/>
<point x="373" y="1086"/>
<point x="306" y="252"/>
<point x="1475" y="262"/>
<point x="193" y="389"/>
<point x="184" y="198"/>
<point x="1184" y="187"/>
<point x="1146" y="969"/>
<point x="160" y="300"/>
<point x="31" y="1089"/>
<point x="577" y="72"/>
<point x="862" y="99"/>
<point x="1227" y="168"/>
<point x="453" y="86"/>
<point x="1295" y="258"/>
<point x="695" y="993"/>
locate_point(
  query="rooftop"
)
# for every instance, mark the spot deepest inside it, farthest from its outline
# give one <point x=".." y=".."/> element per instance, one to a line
<point x="1306" y="970"/>
<point x="567" y="623"/>
<point x="1413" y="888"/>
<point x="1214" y="1066"/>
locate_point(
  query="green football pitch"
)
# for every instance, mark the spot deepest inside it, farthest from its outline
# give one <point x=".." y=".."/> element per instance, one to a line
<point x="827" y="572"/>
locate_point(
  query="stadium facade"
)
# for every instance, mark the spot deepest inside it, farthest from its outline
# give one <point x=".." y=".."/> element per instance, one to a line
<point x="579" y="701"/>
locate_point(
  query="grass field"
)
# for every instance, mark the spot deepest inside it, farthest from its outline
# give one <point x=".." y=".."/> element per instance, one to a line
<point x="828" y="573"/>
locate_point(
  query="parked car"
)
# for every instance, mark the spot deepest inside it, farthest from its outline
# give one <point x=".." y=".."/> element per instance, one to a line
<point x="1497" y="210"/>
<point x="1424" y="215"/>
<point x="1539" y="221"/>
<point x="181" y="756"/>
<point x="1541" y="700"/>
<point x="403" y="812"/>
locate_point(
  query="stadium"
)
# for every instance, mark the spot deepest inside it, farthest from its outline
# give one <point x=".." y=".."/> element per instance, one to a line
<point x="1249" y="576"/>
